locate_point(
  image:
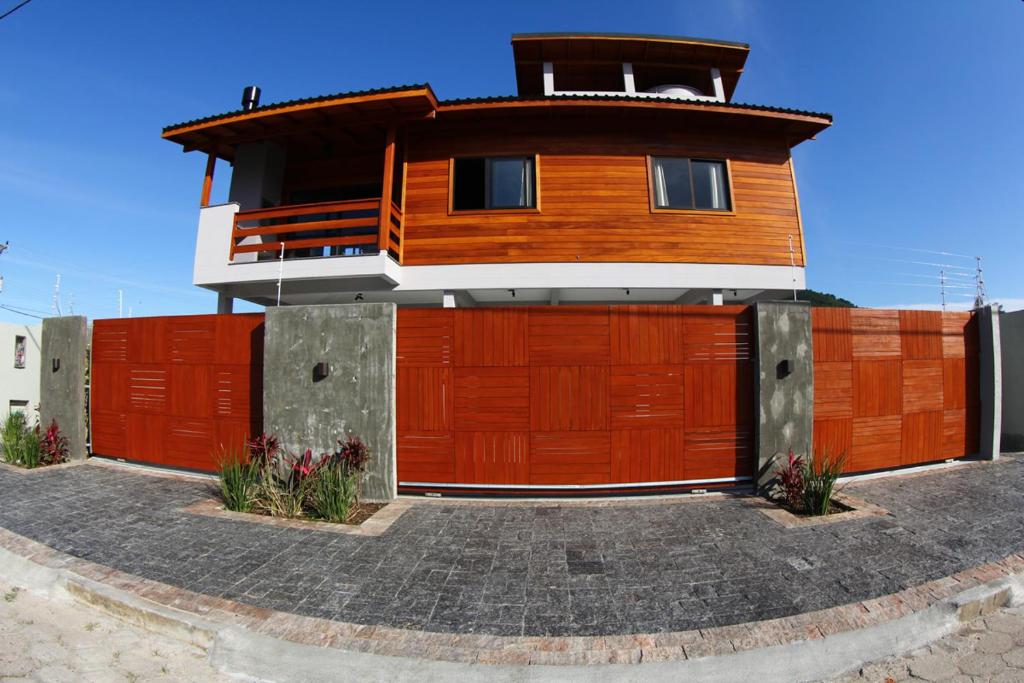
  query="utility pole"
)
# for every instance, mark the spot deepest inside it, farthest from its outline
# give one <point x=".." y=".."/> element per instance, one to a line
<point x="56" y="296"/>
<point x="3" y="247"/>
<point x="120" y="303"/>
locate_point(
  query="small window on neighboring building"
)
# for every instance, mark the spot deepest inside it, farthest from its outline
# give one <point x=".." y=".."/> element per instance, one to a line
<point x="680" y="183"/>
<point x="19" y="351"/>
<point x="493" y="183"/>
<point x="18" y="407"/>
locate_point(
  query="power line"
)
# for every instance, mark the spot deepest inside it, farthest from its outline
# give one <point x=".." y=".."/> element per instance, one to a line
<point x="15" y="310"/>
<point x="14" y="9"/>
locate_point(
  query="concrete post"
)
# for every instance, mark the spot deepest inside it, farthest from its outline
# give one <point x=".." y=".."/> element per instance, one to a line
<point x="990" y="381"/>
<point x="1011" y="344"/>
<point x="62" y="381"/>
<point x="784" y="384"/>
<point x="225" y="303"/>
<point x="306" y="408"/>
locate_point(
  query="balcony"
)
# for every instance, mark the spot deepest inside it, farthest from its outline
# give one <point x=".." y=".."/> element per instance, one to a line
<point x="328" y="229"/>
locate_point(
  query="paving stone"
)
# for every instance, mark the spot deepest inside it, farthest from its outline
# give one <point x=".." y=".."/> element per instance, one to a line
<point x="934" y="667"/>
<point x="978" y="664"/>
<point x="1009" y="676"/>
<point x="1015" y="658"/>
<point x="994" y="643"/>
<point x="547" y="569"/>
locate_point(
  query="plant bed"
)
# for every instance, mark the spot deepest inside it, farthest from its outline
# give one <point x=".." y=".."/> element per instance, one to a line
<point x="844" y="508"/>
<point x="268" y="481"/>
<point x="29" y="448"/>
<point x="370" y="519"/>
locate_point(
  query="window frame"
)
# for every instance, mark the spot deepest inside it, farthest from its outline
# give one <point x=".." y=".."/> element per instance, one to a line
<point x="452" y="211"/>
<point x="652" y="202"/>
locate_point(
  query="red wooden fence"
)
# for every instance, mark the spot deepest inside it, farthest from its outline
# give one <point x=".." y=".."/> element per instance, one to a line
<point x="568" y="396"/>
<point x="173" y="390"/>
<point x="894" y="388"/>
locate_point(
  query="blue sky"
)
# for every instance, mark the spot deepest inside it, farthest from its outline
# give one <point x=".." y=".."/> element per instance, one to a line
<point x="924" y="154"/>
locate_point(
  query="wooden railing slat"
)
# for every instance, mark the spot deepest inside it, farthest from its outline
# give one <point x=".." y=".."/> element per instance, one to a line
<point x="353" y="240"/>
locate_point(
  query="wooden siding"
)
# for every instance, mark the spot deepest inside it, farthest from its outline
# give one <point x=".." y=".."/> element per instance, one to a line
<point x="894" y="388"/>
<point x="175" y="390"/>
<point x="552" y="396"/>
<point x="594" y="202"/>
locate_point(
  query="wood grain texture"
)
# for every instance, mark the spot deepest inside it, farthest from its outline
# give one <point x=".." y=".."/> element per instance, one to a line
<point x="593" y="193"/>
<point x="912" y="388"/>
<point x="571" y="395"/>
<point x="176" y="390"/>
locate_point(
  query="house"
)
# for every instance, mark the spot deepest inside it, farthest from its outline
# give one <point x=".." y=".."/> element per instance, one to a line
<point x="622" y="171"/>
<point x="19" y="369"/>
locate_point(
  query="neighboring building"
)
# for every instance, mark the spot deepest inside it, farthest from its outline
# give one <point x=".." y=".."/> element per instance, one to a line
<point x="19" y="368"/>
<point x="622" y="171"/>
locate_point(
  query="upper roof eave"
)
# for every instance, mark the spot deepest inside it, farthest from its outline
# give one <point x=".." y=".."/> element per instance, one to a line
<point x="655" y="37"/>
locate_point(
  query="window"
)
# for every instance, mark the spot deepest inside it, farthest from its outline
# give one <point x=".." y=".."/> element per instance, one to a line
<point x="493" y="183"/>
<point x="18" y="407"/>
<point x="689" y="184"/>
<point x="19" y="351"/>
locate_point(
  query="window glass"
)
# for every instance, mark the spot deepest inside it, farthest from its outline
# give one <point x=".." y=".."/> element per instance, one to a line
<point x="19" y="351"/>
<point x="511" y="183"/>
<point x="493" y="183"/>
<point x="672" y="188"/>
<point x="709" y="185"/>
<point x="681" y="183"/>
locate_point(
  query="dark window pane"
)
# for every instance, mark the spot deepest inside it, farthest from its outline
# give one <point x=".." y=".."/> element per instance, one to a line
<point x="672" y="183"/>
<point x="468" y="192"/>
<point x="511" y="183"/>
<point x="709" y="187"/>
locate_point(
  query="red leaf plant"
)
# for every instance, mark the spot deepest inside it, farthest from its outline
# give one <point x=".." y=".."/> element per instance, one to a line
<point x="791" y="480"/>
<point x="53" y="447"/>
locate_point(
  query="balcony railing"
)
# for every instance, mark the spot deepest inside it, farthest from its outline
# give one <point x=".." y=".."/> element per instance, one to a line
<point x="349" y="228"/>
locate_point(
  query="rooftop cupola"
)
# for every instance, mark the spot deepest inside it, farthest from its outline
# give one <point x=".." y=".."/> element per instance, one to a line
<point x="616" y="64"/>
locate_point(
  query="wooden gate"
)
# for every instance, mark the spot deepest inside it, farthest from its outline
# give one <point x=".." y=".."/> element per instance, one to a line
<point x="174" y="390"/>
<point x="574" y="397"/>
<point x="894" y="388"/>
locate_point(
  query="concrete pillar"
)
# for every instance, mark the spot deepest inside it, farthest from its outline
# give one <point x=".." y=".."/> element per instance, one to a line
<point x="717" y="297"/>
<point x="62" y="381"/>
<point x="990" y="381"/>
<point x="225" y="303"/>
<point x="258" y="175"/>
<point x="356" y="397"/>
<point x="1011" y="344"/>
<point x="784" y="384"/>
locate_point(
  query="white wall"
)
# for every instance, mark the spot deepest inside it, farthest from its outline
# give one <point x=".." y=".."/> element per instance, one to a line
<point x="20" y="384"/>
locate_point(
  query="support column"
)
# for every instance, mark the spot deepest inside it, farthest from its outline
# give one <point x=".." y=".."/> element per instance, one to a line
<point x="225" y="303"/>
<point x="717" y="297"/>
<point x="384" y="216"/>
<point x="62" y="382"/>
<point x="211" y="163"/>
<point x="549" y="79"/>
<point x="1011" y="338"/>
<point x="990" y="381"/>
<point x="353" y="393"/>
<point x="784" y="388"/>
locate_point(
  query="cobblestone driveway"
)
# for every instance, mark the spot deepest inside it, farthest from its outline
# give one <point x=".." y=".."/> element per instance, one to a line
<point x="533" y="570"/>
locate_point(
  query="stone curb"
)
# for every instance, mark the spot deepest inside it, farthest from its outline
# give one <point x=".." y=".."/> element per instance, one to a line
<point x="279" y="646"/>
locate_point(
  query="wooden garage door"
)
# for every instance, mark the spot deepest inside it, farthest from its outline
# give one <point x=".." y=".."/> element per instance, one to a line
<point x="574" y="396"/>
<point x="895" y="388"/>
<point x="173" y="390"/>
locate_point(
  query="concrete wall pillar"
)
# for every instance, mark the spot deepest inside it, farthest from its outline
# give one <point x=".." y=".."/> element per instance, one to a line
<point x="65" y="349"/>
<point x="1011" y="344"/>
<point x="990" y="381"/>
<point x="784" y="384"/>
<point x="357" y="397"/>
<point x="258" y="175"/>
<point x="225" y="303"/>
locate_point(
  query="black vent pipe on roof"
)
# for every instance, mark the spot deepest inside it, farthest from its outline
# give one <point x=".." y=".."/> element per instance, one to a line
<point x="250" y="97"/>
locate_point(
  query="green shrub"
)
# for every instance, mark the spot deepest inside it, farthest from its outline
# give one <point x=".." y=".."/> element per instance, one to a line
<point x="819" y="479"/>
<point x="333" y="493"/>
<point x="239" y="479"/>
<point x="20" y="443"/>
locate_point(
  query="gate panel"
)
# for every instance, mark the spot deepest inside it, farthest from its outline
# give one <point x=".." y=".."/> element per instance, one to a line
<point x="174" y="390"/>
<point x="574" y="396"/>
<point x="894" y="388"/>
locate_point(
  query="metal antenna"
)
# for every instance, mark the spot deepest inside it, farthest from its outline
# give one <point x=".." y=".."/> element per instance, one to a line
<point x="280" y="275"/>
<point x="56" y="295"/>
<point x="120" y="303"/>
<point x="942" y="285"/>
<point x="979" y="281"/>
<point x="792" y="264"/>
